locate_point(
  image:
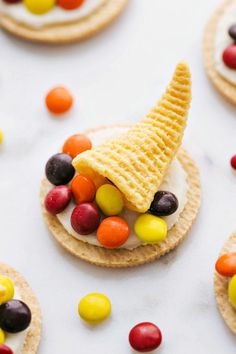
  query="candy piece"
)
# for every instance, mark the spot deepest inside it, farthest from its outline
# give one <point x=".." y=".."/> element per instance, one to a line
<point x="109" y="199"/>
<point x="83" y="189"/>
<point x="6" y="289"/>
<point x="85" y="218"/>
<point x="94" y="308"/>
<point x="76" y="144"/>
<point x="145" y="337"/>
<point x="150" y="228"/>
<point x="1" y="136"/>
<point x="39" y="7"/>
<point x="15" y="316"/>
<point x="59" y="100"/>
<point x="233" y="162"/>
<point x="232" y="291"/>
<point x="229" y="56"/>
<point x="4" y="349"/>
<point x="2" y="336"/>
<point x="137" y="161"/>
<point x="164" y="204"/>
<point x="226" y="265"/>
<point x="59" y="169"/>
<point x="70" y="4"/>
<point x="11" y="1"/>
<point x="113" y="232"/>
<point x="57" y="199"/>
<point x="232" y="32"/>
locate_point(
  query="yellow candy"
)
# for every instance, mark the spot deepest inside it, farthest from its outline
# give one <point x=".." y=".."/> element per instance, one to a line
<point x="94" y="308"/>
<point x="150" y="228"/>
<point x="1" y="137"/>
<point x="39" y="7"/>
<point x="6" y="289"/>
<point x="109" y="200"/>
<point x="232" y="291"/>
<point x="2" y="336"/>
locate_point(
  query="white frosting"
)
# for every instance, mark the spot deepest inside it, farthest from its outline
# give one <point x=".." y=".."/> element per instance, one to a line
<point x="174" y="181"/>
<point x="15" y="341"/>
<point x="223" y="40"/>
<point x="57" y="15"/>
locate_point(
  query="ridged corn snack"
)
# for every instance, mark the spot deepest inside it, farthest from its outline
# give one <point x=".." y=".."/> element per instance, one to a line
<point x="137" y="161"/>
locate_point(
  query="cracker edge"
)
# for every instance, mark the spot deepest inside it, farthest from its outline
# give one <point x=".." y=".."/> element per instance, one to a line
<point x="33" y="337"/>
<point x="143" y="254"/>
<point x="68" y="33"/>
<point x="224" y="87"/>
<point x="221" y="289"/>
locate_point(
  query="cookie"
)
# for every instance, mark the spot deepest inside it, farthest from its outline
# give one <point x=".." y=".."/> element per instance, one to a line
<point x="120" y="258"/>
<point x="32" y="340"/>
<point x="74" y="31"/>
<point x="221" y="289"/>
<point x="224" y="87"/>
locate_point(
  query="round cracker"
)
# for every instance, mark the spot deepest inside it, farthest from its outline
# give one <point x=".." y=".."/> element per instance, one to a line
<point x="33" y="336"/>
<point x="225" y="88"/>
<point x="123" y="258"/>
<point x="69" y="32"/>
<point x="221" y="289"/>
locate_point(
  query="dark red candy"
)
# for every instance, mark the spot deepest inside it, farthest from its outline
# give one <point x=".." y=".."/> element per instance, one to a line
<point x="4" y="349"/>
<point x="59" y="169"/>
<point x="57" y="199"/>
<point x="11" y="2"/>
<point x="233" y="162"/>
<point x="145" y="337"/>
<point x="229" y="56"/>
<point x="15" y="316"/>
<point x="232" y="32"/>
<point x="85" y="218"/>
<point x="164" y="204"/>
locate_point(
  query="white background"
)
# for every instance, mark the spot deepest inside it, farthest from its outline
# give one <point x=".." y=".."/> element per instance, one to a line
<point x="117" y="76"/>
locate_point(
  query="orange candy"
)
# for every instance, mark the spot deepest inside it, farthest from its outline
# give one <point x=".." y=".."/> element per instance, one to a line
<point x="226" y="265"/>
<point x="76" y="144"/>
<point x="70" y="4"/>
<point x="83" y="189"/>
<point x="59" y="100"/>
<point x="113" y="232"/>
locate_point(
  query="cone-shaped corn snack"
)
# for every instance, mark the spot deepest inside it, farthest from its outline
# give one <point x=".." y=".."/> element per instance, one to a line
<point x="136" y="161"/>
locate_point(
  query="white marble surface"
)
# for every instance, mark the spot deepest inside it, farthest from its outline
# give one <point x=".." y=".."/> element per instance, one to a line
<point x="116" y="77"/>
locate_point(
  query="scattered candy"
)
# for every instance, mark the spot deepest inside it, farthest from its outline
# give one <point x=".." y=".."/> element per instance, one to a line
<point x="70" y="4"/>
<point x="59" y="169"/>
<point x="85" y="218"/>
<point x="4" y="349"/>
<point x="113" y="232"/>
<point x="59" y="100"/>
<point x="109" y="200"/>
<point x="39" y="7"/>
<point x="11" y="1"/>
<point x="232" y="291"/>
<point x="164" y="204"/>
<point x="83" y="189"/>
<point x="57" y="199"/>
<point x="15" y="316"/>
<point x="2" y="336"/>
<point x="6" y="289"/>
<point x="232" y="32"/>
<point x="233" y="162"/>
<point x="150" y="228"/>
<point x="1" y="136"/>
<point x="145" y="337"/>
<point x="226" y="265"/>
<point x="229" y="56"/>
<point x="76" y="144"/>
<point x="94" y="308"/>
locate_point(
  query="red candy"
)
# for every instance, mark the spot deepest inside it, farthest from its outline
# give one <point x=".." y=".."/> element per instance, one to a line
<point x="85" y="218"/>
<point x="233" y="162"/>
<point x="4" y="349"/>
<point x="229" y="56"/>
<point x="11" y="1"/>
<point x="70" y="4"/>
<point x="145" y="337"/>
<point x="57" y="199"/>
